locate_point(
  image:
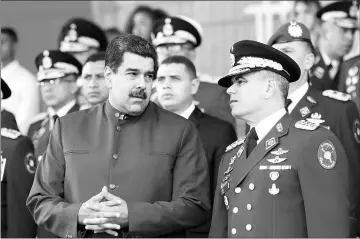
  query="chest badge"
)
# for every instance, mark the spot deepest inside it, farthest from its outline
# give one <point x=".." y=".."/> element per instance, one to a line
<point x="226" y="202"/>
<point x="277" y="159"/>
<point x="274" y="175"/>
<point x="315" y="118"/>
<point x="279" y="152"/>
<point x="269" y="143"/>
<point x="304" y="111"/>
<point x="274" y="190"/>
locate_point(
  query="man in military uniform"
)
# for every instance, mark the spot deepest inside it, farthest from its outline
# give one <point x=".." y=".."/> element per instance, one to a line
<point x="57" y="76"/>
<point x="152" y="160"/>
<point x="7" y="118"/>
<point x="18" y="166"/>
<point x="181" y="36"/>
<point x="176" y="85"/>
<point x="287" y="178"/>
<point x="94" y="88"/>
<point x="349" y="79"/>
<point x="331" y="109"/>
<point x="336" y="39"/>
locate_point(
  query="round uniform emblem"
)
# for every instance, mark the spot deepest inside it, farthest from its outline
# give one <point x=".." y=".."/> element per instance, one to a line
<point x="168" y="29"/>
<point x="327" y="155"/>
<point x="294" y="29"/>
<point x="232" y="60"/>
<point x="30" y="163"/>
<point x="356" y="130"/>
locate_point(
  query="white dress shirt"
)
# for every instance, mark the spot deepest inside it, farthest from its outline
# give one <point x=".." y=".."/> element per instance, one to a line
<point x="61" y="112"/>
<point x="24" y="101"/>
<point x="186" y="114"/>
<point x="264" y="127"/>
<point x="334" y="64"/>
<point x="297" y="95"/>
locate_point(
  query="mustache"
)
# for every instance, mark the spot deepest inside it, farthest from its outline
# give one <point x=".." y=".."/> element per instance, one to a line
<point x="138" y="94"/>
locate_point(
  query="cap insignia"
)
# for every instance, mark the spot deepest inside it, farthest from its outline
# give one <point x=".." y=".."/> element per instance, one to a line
<point x="46" y="61"/>
<point x="294" y="29"/>
<point x="168" y="28"/>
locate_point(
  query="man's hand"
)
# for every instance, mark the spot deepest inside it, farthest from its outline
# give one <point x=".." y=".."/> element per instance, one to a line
<point x="104" y="216"/>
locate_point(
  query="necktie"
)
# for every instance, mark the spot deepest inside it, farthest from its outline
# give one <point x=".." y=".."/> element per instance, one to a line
<point x="251" y="141"/>
<point x="287" y="103"/>
<point x="55" y="118"/>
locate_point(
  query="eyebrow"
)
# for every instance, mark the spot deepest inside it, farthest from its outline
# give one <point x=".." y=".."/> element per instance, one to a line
<point x="137" y="70"/>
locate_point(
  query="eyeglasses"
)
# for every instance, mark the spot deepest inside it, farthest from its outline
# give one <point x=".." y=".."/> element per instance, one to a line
<point x="173" y="48"/>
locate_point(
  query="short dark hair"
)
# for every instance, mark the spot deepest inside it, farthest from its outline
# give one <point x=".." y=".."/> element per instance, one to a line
<point x="315" y="3"/>
<point x="10" y="32"/>
<point x="128" y="43"/>
<point x="189" y="65"/>
<point x="99" y="56"/>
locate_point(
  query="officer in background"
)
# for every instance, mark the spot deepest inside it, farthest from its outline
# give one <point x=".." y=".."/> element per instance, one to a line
<point x="94" y="88"/>
<point x="336" y="39"/>
<point x="331" y="109"/>
<point x="349" y="79"/>
<point x="81" y="38"/>
<point x="176" y="85"/>
<point x="287" y="178"/>
<point x="181" y="36"/>
<point x="18" y="166"/>
<point x="7" y="118"/>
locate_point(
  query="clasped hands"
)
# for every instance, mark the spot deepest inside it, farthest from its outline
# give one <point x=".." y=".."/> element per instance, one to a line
<point x="104" y="212"/>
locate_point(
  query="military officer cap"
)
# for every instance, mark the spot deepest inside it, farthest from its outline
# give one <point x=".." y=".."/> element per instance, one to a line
<point x="6" y="92"/>
<point x="250" y="56"/>
<point x="52" y="64"/>
<point x="289" y="32"/>
<point x="176" y="30"/>
<point x="79" y="35"/>
<point x="343" y="13"/>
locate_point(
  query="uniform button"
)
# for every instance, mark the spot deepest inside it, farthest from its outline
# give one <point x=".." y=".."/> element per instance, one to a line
<point x="237" y="190"/>
<point x="118" y="128"/>
<point x="117" y="115"/>
<point x="112" y="186"/>
<point x="233" y="231"/>
<point x="251" y="186"/>
<point x="115" y="156"/>
<point x="235" y="210"/>
<point x="248" y="227"/>
<point x="248" y="207"/>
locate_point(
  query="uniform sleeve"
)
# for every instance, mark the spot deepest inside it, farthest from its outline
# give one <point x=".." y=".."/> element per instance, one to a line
<point x="30" y="105"/>
<point x="190" y="205"/>
<point x="20" y="178"/>
<point x="326" y="192"/>
<point x="46" y="199"/>
<point x="219" y="219"/>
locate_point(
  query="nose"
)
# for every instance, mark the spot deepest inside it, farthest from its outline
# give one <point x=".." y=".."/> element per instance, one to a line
<point x="92" y="83"/>
<point x="140" y="83"/>
<point x="230" y="90"/>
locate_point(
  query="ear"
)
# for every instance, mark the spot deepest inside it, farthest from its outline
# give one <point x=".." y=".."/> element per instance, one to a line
<point x="270" y="88"/>
<point x="195" y="85"/>
<point x="309" y="61"/>
<point x="108" y="74"/>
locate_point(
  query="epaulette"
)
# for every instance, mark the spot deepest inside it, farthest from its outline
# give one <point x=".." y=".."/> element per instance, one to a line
<point x="206" y="78"/>
<point x="337" y="95"/>
<point x="10" y="133"/>
<point x="306" y="125"/>
<point x="38" y="117"/>
<point x="235" y="144"/>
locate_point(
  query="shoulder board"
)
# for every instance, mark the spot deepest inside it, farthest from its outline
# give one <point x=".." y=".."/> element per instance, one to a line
<point x="311" y="99"/>
<point x="235" y="144"/>
<point x="306" y="125"/>
<point x="206" y="78"/>
<point x="10" y="133"/>
<point x="337" y="95"/>
<point x="38" y="117"/>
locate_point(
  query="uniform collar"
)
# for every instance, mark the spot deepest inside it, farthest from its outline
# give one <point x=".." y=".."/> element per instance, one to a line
<point x="297" y="95"/>
<point x="115" y="115"/>
<point x="327" y="60"/>
<point x="186" y="114"/>
<point x="63" y="110"/>
<point x="268" y="123"/>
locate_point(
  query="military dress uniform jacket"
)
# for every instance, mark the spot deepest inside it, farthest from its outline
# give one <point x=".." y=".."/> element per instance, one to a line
<point x="350" y="79"/>
<point x="155" y="162"/>
<point x="39" y="131"/>
<point x="18" y="166"/>
<point x="295" y="183"/>
<point x="319" y="75"/>
<point x="215" y="135"/>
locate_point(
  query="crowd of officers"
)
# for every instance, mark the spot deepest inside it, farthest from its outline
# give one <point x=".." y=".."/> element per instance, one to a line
<point x="188" y="173"/>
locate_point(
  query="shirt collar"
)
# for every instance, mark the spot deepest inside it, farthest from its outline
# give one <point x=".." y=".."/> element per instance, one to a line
<point x="115" y="115"/>
<point x="328" y="60"/>
<point x="297" y="95"/>
<point x="63" y="110"/>
<point x="186" y="114"/>
<point x="266" y="124"/>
